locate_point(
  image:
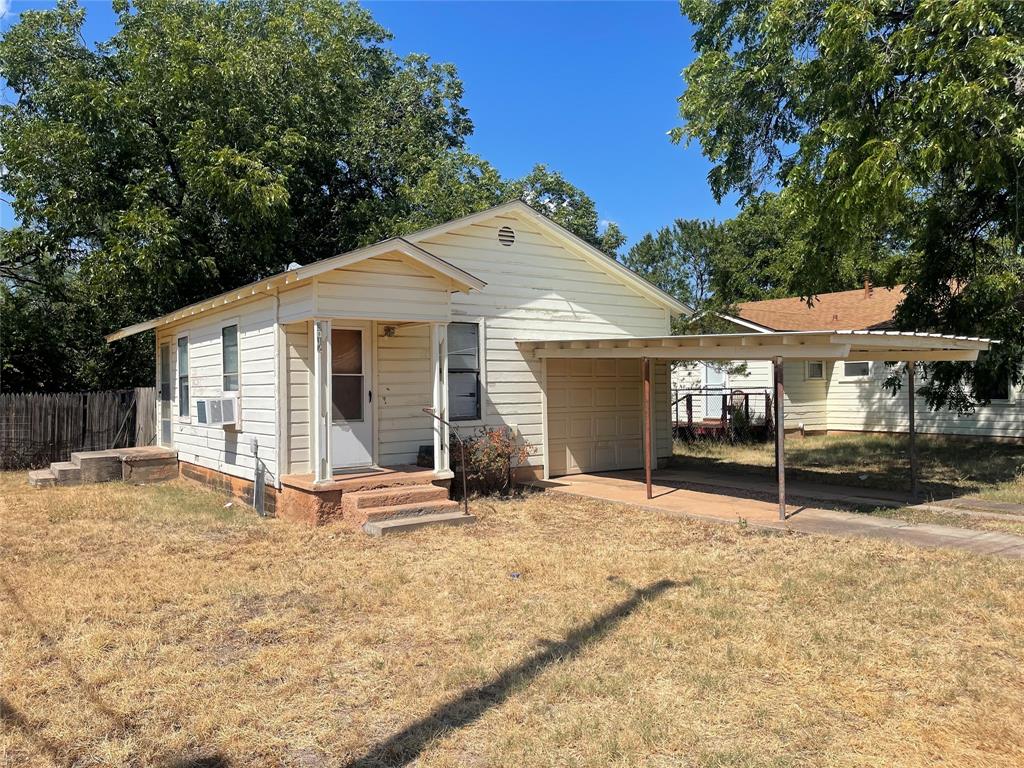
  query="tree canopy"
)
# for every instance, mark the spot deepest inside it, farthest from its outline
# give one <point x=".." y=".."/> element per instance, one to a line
<point x="207" y="144"/>
<point x="894" y="132"/>
<point x="712" y="266"/>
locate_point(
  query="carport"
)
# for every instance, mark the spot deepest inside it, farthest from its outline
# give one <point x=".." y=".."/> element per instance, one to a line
<point x="778" y="347"/>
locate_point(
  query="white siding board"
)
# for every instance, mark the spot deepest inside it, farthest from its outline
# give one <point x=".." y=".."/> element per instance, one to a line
<point x="404" y="388"/>
<point x="299" y="396"/>
<point x="224" y="449"/>
<point x="865" y="405"/>
<point x="538" y="289"/>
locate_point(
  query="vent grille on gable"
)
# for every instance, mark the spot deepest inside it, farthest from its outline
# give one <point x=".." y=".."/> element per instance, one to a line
<point x="506" y="236"/>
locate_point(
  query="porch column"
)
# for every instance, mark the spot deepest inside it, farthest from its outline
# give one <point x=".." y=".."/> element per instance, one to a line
<point x="439" y="366"/>
<point x="321" y="400"/>
<point x="647" y="424"/>
<point x="911" y="370"/>
<point x="780" y="435"/>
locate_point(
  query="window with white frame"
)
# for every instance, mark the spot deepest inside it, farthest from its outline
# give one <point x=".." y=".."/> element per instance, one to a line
<point x="815" y="370"/>
<point x="229" y="356"/>
<point x="463" y="371"/>
<point x="856" y="369"/>
<point x="183" y="404"/>
<point x="995" y="389"/>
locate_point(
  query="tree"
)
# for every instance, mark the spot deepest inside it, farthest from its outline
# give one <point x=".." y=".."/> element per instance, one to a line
<point x="208" y="144"/>
<point x="550" y="193"/>
<point x="895" y="134"/>
<point x="681" y="259"/>
<point x="713" y="266"/>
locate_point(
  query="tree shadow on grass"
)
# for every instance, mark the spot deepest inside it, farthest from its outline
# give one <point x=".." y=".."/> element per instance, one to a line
<point x="406" y="746"/>
<point x="123" y="725"/>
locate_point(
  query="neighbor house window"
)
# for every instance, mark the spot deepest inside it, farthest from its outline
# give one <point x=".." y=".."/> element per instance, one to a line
<point x="463" y="371"/>
<point x="853" y="370"/>
<point x="815" y="370"/>
<point x="997" y="390"/>
<point x="994" y="390"/>
<point x="229" y="354"/>
<point x="183" y="376"/>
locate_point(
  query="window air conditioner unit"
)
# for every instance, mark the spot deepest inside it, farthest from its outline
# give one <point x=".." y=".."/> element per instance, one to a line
<point x="219" y="411"/>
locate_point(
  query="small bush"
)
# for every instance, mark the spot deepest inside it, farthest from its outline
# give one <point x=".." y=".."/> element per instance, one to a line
<point x="740" y="423"/>
<point x="492" y="453"/>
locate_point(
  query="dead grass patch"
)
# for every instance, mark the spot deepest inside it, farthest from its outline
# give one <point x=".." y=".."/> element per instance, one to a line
<point x="151" y="626"/>
<point x="948" y="466"/>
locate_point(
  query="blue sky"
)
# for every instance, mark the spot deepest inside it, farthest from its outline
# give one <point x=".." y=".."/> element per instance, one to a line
<point x="589" y="88"/>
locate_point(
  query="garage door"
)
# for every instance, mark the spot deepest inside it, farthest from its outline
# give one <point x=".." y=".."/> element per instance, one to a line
<point x="594" y="415"/>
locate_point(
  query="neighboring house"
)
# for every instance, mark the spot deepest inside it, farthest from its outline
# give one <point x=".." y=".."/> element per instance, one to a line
<point x="823" y="396"/>
<point x="431" y="319"/>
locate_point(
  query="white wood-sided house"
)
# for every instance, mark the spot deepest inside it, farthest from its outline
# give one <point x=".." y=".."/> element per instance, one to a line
<point x="331" y="387"/>
<point x="837" y="395"/>
<point x="333" y="364"/>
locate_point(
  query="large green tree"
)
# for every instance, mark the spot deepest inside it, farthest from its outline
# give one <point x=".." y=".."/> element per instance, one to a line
<point x="206" y="144"/>
<point x="889" y="127"/>
<point x="712" y="266"/>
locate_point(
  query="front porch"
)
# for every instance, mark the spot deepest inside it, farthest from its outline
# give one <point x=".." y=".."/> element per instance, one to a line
<point x="377" y="499"/>
<point x="364" y="398"/>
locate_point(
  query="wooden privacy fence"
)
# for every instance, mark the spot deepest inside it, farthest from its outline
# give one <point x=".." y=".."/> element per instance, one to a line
<point x="36" y="429"/>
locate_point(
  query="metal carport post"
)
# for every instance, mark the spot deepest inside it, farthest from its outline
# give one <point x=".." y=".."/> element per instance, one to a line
<point x="648" y="442"/>
<point x="780" y="435"/>
<point x="911" y="429"/>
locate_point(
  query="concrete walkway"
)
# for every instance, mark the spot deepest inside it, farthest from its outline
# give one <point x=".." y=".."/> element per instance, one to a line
<point x="733" y="500"/>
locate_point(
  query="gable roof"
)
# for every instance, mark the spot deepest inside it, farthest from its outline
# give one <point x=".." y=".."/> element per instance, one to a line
<point x="459" y="279"/>
<point x="572" y="242"/>
<point x="408" y="245"/>
<point x="862" y="309"/>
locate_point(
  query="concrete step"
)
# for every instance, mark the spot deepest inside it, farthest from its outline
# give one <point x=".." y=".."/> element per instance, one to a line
<point x="387" y="497"/>
<point x="41" y="478"/>
<point x="98" y="466"/>
<point x="66" y="472"/>
<point x="416" y="509"/>
<point x="376" y="479"/>
<point x="404" y="524"/>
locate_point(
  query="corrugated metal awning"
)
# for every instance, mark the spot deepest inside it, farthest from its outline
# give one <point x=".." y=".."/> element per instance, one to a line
<point x="788" y="345"/>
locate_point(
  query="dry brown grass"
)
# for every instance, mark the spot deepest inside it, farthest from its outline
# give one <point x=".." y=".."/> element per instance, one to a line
<point x="957" y="520"/>
<point x="948" y="465"/>
<point x="149" y="626"/>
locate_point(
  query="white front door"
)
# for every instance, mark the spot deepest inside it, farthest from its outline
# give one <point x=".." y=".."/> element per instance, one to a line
<point x="715" y="385"/>
<point x="351" y="395"/>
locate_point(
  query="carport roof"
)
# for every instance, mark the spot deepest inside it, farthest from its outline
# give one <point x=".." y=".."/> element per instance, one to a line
<point x="788" y="345"/>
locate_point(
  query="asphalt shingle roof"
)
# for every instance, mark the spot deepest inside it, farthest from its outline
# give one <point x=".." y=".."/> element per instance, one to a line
<point x="861" y="309"/>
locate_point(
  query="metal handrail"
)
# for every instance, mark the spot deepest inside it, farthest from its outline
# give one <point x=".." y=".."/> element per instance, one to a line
<point x="452" y="430"/>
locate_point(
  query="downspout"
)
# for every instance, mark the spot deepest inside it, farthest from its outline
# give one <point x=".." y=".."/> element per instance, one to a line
<point x="279" y="410"/>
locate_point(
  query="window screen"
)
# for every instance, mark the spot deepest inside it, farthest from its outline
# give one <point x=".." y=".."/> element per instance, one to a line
<point x="229" y="356"/>
<point x="853" y="369"/>
<point x="183" y="376"/>
<point x="463" y="371"/>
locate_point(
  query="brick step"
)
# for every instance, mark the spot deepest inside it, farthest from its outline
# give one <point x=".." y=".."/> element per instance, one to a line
<point x="378" y="481"/>
<point x="41" y="478"/>
<point x="416" y="509"/>
<point x="387" y="497"/>
<point x="66" y="472"/>
<point x="404" y="524"/>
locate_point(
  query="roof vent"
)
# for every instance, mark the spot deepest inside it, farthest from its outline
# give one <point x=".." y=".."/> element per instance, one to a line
<point x="506" y="236"/>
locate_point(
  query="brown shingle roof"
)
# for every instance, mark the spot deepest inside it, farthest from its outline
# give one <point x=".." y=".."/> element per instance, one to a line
<point x="843" y="311"/>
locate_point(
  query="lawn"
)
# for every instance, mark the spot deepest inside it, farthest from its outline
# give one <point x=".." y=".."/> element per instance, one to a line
<point x="155" y="627"/>
<point x="948" y="466"/>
